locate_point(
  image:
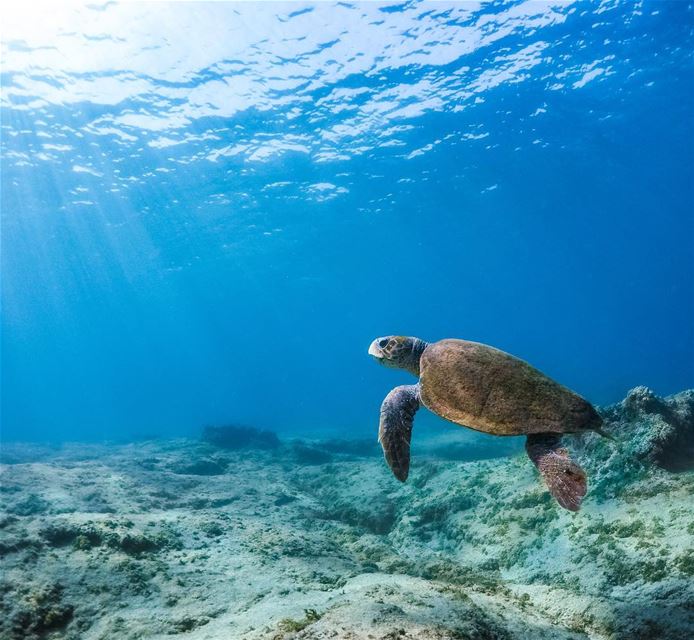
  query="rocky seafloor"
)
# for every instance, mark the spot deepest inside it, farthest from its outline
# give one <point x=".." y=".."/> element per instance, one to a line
<point x="242" y="535"/>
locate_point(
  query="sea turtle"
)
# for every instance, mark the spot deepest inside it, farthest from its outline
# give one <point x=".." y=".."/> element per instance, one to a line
<point x="488" y="390"/>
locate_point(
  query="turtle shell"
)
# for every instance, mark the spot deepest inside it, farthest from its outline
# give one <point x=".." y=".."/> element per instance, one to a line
<point x="486" y="389"/>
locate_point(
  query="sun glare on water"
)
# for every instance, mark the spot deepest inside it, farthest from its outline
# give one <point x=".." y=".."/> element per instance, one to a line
<point x="39" y="22"/>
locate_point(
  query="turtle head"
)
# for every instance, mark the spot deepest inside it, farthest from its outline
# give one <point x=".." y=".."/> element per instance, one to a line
<point x="398" y="352"/>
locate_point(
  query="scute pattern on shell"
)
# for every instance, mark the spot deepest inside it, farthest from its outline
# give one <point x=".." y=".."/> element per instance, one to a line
<point x="486" y="389"/>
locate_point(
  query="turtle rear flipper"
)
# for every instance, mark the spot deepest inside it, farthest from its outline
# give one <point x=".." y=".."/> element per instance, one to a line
<point x="395" y="428"/>
<point x="565" y="480"/>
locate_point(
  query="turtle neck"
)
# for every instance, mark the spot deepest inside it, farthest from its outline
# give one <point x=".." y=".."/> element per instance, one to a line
<point x="412" y="363"/>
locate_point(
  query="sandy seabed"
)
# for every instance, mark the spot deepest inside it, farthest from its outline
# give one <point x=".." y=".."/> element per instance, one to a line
<point x="269" y="539"/>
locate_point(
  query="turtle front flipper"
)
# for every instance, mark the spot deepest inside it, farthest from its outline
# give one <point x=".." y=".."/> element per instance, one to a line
<point x="395" y="428"/>
<point x="565" y="480"/>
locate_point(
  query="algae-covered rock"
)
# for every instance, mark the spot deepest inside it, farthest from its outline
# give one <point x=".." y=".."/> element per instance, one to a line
<point x="36" y="612"/>
<point x="303" y="453"/>
<point x="654" y="430"/>
<point x="233" y="437"/>
<point x="202" y="467"/>
<point x="661" y="431"/>
<point x="650" y="433"/>
<point x="30" y="505"/>
<point x="188" y="623"/>
<point x="62" y="532"/>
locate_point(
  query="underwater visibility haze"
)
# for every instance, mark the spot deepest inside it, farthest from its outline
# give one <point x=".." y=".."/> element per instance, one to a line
<point x="211" y="209"/>
<point x="209" y="212"/>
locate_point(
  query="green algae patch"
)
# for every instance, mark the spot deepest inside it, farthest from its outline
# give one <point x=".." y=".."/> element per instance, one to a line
<point x="289" y="625"/>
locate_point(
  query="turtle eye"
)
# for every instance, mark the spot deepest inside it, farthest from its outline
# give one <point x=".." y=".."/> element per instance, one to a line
<point x="382" y="343"/>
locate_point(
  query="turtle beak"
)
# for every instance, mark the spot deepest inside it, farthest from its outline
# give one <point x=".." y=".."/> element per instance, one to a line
<point x="375" y="350"/>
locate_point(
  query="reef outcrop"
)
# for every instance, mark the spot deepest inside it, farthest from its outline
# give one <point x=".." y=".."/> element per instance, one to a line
<point x="657" y="430"/>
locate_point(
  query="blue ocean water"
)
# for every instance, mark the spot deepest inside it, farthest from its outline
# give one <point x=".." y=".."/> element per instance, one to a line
<point x="210" y="209"/>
